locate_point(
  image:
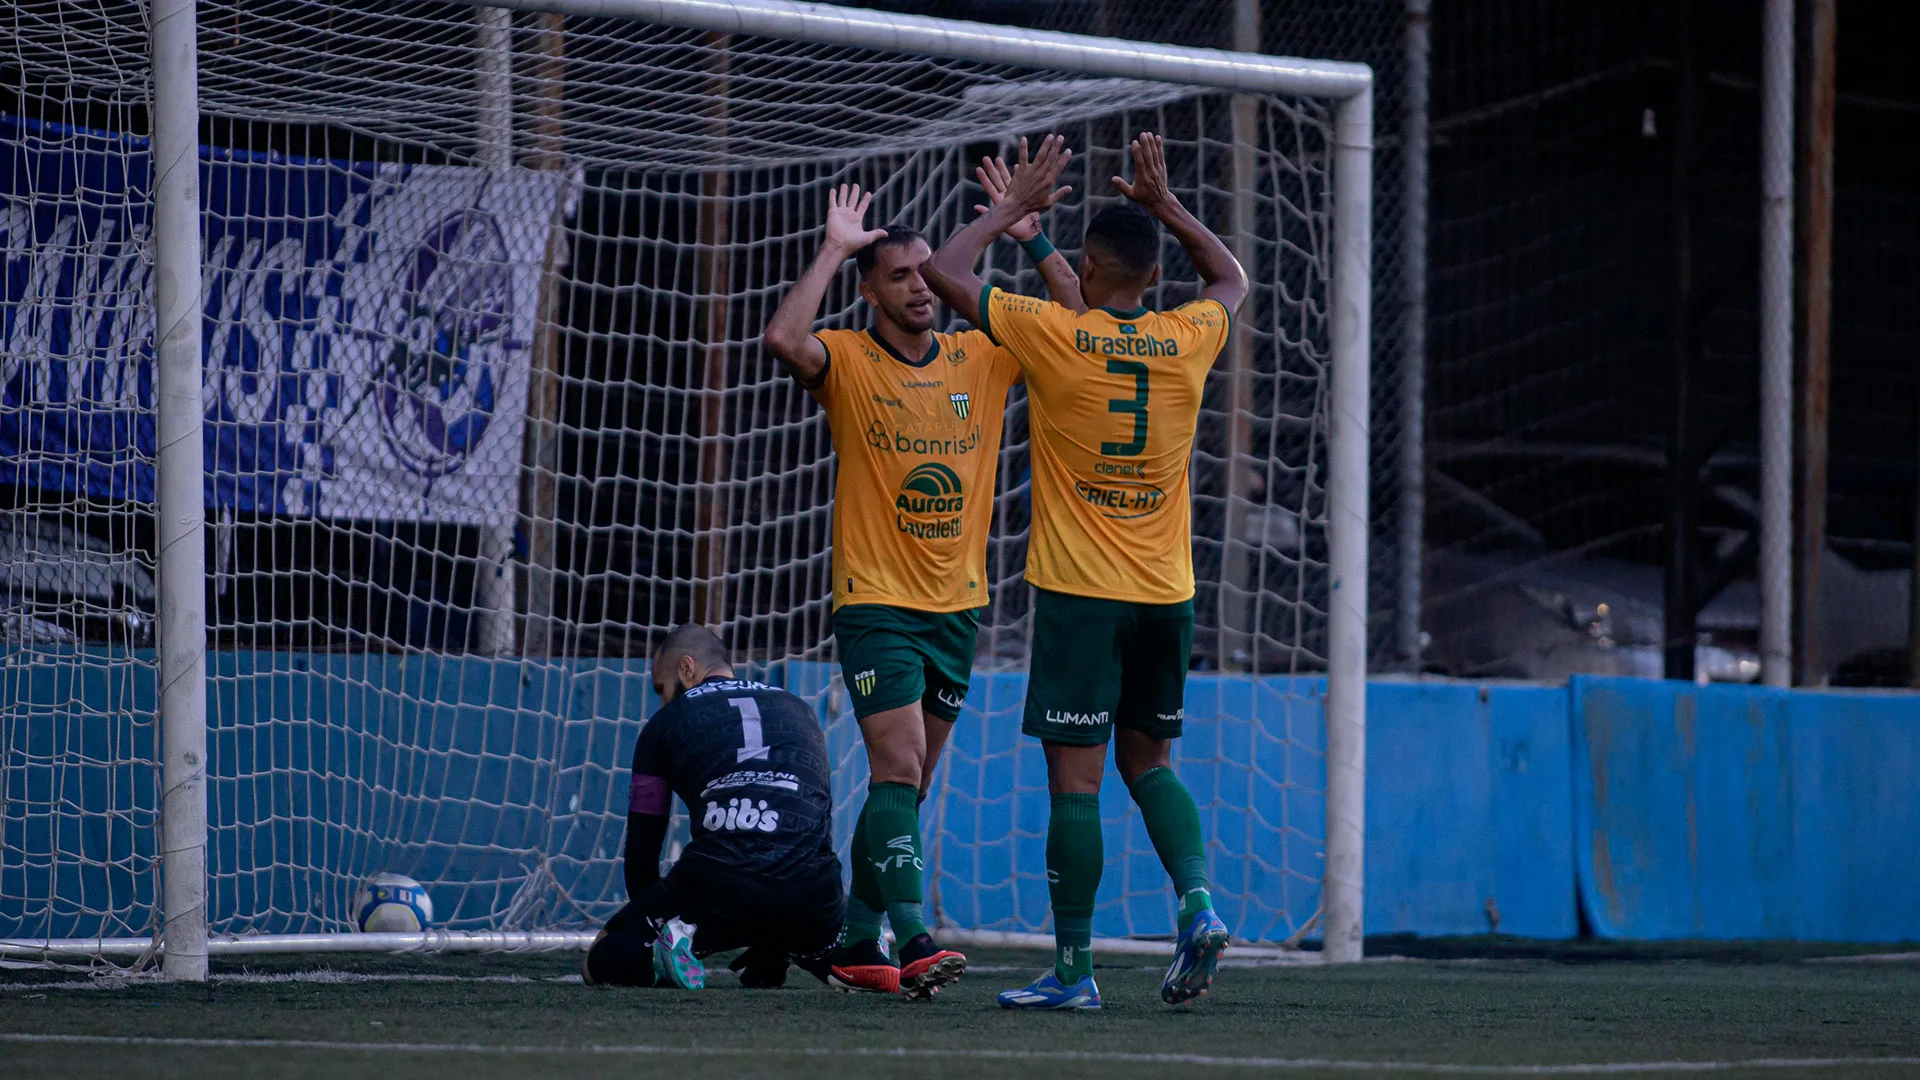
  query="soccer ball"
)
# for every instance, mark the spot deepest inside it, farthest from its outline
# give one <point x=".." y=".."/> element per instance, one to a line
<point x="392" y="903"/>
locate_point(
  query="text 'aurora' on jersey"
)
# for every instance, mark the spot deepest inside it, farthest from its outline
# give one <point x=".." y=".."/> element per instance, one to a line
<point x="930" y="502"/>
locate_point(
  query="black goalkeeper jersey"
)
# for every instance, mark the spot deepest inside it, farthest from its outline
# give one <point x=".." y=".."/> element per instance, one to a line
<point x="750" y="763"/>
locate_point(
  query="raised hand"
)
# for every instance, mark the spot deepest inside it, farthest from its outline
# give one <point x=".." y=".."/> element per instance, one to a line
<point x="1030" y="188"/>
<point x="1149" y="187"/>
<point x="994" y="177"/>
<point x="846" y="211"/>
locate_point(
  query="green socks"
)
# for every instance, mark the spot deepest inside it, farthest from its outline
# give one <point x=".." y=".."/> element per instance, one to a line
<point x="864" y="906"/>
<point x="891" y="819"/>
<point x="1074" y="862"/>
<point x="1173" y="823"/>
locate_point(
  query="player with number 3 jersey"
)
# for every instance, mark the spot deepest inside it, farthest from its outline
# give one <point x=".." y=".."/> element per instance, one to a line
<point x="1113" y="396"/>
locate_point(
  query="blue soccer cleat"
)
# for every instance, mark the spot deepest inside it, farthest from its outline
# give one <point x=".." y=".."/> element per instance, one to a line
<point x="1195" y="956"/>
<point x="1048" y="992"/>
<point x="673" y="961"/>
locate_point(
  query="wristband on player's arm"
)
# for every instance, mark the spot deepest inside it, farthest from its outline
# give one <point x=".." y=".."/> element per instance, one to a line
<point x="1038" y="248"/>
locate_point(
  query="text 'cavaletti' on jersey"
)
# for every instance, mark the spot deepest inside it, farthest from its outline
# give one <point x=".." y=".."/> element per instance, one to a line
<point x="918" y="443"/>
<point x="1112" y="402"/>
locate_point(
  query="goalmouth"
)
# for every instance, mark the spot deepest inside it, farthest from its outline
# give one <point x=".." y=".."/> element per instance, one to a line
<point x="1328" y="458"/>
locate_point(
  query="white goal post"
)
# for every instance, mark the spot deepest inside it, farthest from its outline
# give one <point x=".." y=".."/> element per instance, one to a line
<point x="183" y="941"/>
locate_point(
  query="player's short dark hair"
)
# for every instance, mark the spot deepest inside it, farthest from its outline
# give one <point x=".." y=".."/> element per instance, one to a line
<point x="1127" y="237"/>
<point x="897" y="236"/>
<point x="691" y="639"/>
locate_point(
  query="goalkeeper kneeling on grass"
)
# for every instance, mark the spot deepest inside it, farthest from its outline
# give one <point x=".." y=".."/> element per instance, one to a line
<point x="750" y="763"/>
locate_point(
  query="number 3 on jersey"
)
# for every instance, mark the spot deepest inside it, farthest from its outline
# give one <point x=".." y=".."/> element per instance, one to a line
<point x="752" y="744"/>
<point x="1137" y="405"/>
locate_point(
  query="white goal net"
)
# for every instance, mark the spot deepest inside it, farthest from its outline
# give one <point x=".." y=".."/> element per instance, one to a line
<point x="486" y="411"/>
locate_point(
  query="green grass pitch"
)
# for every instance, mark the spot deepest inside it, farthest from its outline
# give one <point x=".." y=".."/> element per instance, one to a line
<point x="1463" y="1009"/>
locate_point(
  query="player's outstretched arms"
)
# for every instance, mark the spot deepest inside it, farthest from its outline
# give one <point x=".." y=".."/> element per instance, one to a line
<point x="789" y="334"/>
<point x="949" y="272"/>
<point x="1063" y="285"/>
<point x="1226" y="281"/>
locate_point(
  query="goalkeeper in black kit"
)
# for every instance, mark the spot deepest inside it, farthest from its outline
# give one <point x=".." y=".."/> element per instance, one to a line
<point x="750" y="763"/>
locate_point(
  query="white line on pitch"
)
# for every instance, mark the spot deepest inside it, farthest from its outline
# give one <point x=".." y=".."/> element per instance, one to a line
<point x="320" y="976"/>
<point x="1444" y="1068"/>
<point x="326" y="976"/>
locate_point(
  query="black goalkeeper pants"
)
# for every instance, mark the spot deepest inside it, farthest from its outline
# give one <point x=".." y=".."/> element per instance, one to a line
<point x="777" y="921"/>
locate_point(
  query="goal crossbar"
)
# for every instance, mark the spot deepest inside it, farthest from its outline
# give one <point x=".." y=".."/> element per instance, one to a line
<point x="823" y="24"/>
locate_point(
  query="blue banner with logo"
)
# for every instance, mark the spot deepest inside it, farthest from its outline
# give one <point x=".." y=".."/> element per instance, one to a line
<point x="366" y="327"/>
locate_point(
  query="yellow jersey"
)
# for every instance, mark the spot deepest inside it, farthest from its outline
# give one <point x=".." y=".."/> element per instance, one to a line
<point x="1112" y="402"/>
<point x="918" y="443"/>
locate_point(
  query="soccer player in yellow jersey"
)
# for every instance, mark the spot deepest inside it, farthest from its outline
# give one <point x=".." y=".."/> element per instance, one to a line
<point x="916" y="418"/>
<point x="1113" y="397"/>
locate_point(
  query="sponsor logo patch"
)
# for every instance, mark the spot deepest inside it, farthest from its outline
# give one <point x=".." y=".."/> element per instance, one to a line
<point x="881" y="437"/>
<point x="1128" y="344"/>
<point x="1121" y="499"/>
<point x="740" y="815"/>
<point x="785" y="781"/>
<point x="929" y="502"/>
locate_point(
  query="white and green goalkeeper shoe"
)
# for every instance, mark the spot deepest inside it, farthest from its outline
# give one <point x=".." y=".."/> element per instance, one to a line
<point x="673" y="961"/>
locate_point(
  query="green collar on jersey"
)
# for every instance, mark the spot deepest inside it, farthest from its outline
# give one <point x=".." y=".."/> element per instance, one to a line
<point x="932" y="353"/>
<point x="1118" y="314"/>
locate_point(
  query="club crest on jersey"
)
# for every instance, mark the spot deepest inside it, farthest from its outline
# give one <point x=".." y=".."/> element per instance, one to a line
<point x="864" y="681"/>
<point x="962" y="404"/>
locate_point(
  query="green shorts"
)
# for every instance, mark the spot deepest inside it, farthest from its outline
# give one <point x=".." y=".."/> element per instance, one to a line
<point x="895" y="656"/>
<point x="1097" y="663"/>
